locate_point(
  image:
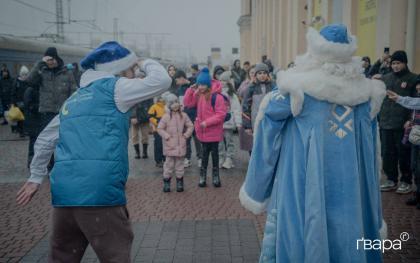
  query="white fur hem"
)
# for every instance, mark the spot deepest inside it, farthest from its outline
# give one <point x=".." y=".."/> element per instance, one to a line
<point x="118" y="66"/>
<point x="250" y="204"/>
<point x="383" y="232"/>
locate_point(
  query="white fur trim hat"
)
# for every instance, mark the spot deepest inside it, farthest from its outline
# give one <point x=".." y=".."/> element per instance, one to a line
<point x="331" y="44"/>
<point x="110" y="57"/>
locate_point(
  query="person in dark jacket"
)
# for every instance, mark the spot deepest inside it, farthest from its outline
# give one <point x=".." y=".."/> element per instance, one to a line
<point x="194" y="73"/>
<point x="32" y="118"/>
<point x="255" y="95"/>
<point x="382" y="66"/>
<point x="392" y="120"/>
<point x="238" y="74"/>
<point x="56" y="83"/>
<point x="140" y="122"/>
<point x="171" y="73"/>
<point x="17" y="95"/>
<point x="366" y="65"/>
<point x="6" y="86"/>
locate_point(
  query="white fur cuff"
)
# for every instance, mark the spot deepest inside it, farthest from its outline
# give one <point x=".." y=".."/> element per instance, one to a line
<point x="249" y="203"/>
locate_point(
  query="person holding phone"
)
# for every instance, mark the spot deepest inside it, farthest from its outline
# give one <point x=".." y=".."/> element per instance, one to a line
<point x="382" y="66"/>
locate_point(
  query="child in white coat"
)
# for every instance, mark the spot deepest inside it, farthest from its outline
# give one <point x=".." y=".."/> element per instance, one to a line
<point x="227" y="147"/>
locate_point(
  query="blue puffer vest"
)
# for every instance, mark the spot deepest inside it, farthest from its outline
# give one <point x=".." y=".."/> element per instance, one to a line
<point x="91" y="160"/>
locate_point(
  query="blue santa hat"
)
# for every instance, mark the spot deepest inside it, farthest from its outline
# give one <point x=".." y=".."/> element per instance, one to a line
<point x="204" y="78"/>
<point x="110" y="57"/>
<point x="336" y="33"/>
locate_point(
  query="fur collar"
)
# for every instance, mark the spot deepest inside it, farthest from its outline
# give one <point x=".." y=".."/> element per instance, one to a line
<point x="340" y="83"/>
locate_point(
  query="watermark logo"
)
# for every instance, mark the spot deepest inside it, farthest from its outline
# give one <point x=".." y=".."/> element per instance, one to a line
<point x="382" y="244"/>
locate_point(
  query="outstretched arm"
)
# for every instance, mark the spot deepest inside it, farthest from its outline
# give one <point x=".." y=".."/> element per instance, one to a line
<point x="44" y="148"/>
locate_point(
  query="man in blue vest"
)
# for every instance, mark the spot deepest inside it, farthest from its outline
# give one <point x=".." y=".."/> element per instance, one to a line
<point x="90" y="139"/>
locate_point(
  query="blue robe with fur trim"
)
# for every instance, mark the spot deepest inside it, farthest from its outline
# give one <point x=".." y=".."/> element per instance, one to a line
<point x="318" y="173"/>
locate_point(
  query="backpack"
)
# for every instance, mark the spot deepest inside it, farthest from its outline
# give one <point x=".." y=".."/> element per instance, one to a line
<point x="213" y="103"/>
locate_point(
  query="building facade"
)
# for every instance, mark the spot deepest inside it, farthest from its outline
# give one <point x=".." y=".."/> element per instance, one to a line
<point x="277" y="28"/>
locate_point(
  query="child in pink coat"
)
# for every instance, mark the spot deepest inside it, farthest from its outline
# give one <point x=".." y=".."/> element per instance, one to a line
<point x="175" y="128"/>
<point x="209" y="121"/>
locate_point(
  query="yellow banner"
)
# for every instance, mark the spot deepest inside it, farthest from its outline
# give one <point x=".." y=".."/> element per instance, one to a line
<point x="366" y="28"/>
<point x="317" y="14"/>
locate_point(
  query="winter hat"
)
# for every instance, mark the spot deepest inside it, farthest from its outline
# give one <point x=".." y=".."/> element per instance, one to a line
<point x="336" y="33"/>
<point x="110" y="57"/>
<point x="180" y="74"/>
<point x="171" y="99"/>
<point x="333" y="44"/>
<point x="261" y="67"/>
<point x="204" y="78"/>
<point x="51" y="52"/>
<point x="366" y="59"/>
<point x="217" y="70"/>
<point x="23" y="71"/>
<point x="195" y="67"/>
<point x="400" y="56"/>
<point x="226" y="76"/>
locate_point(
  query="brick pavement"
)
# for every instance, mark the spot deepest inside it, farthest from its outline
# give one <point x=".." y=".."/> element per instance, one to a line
<point x="182" y="241"/>
<point x="26" y="228"/>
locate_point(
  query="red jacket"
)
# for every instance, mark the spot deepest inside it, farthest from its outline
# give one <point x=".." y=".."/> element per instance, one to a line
<point x="214" y="118"/>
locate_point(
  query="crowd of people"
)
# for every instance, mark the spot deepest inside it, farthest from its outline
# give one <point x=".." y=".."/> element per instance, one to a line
<point x="396" y="119"/>
<point x="204" y="98"/>
<point x="85" y="120"/>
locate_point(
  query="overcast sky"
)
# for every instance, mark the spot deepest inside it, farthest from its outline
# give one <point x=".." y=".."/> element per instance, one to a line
<point x="194" y="26"/>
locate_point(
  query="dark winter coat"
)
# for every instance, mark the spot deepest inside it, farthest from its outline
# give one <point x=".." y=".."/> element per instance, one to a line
<point x="252" y="101"/>
<point x="18" y="91"/>
<point x="393" y="115"/>
<point x="6" y="86"/>
<point x="55" y="86"/>
<point x="142" y="111"/>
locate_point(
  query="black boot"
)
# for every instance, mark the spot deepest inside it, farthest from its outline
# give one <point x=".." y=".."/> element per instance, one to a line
<point x="415" y="200"/>
<point x="203" y="177"/>
<point x="145" y="151"/>
<point x="166" y="185"/>
<point x="180" y="184"/>
<point x="216" y="177"/>
<point x="137" y="150"/>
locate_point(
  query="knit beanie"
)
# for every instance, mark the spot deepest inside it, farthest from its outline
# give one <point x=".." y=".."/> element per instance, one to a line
<point x="170" y="99"/>
<point x="226" y="76"/>
<point x="400" y="56"/>
<point x="204" y="78"/>
<point x="180" y="74"/>
<point x="261" y="67"/>
<point x="51" y="52"/>
<point x="217" y="70"/>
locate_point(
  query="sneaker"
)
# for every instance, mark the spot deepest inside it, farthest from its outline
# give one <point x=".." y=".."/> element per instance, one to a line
<point x="404" y="188"/>
<point x="388" y="186"/>
<point x="199" y="163"/>
<point x="187" y="163"/>
<point x="227" y="164"/>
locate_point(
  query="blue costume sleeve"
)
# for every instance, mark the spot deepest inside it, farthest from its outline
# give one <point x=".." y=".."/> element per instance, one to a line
<point x="273" y="115"/>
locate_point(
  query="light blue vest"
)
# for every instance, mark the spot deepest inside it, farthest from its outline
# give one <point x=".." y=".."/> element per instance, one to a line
<point x="91" y="159"/>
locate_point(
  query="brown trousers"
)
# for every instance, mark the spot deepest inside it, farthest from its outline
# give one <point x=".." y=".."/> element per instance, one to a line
<point x="106" y="229"/>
